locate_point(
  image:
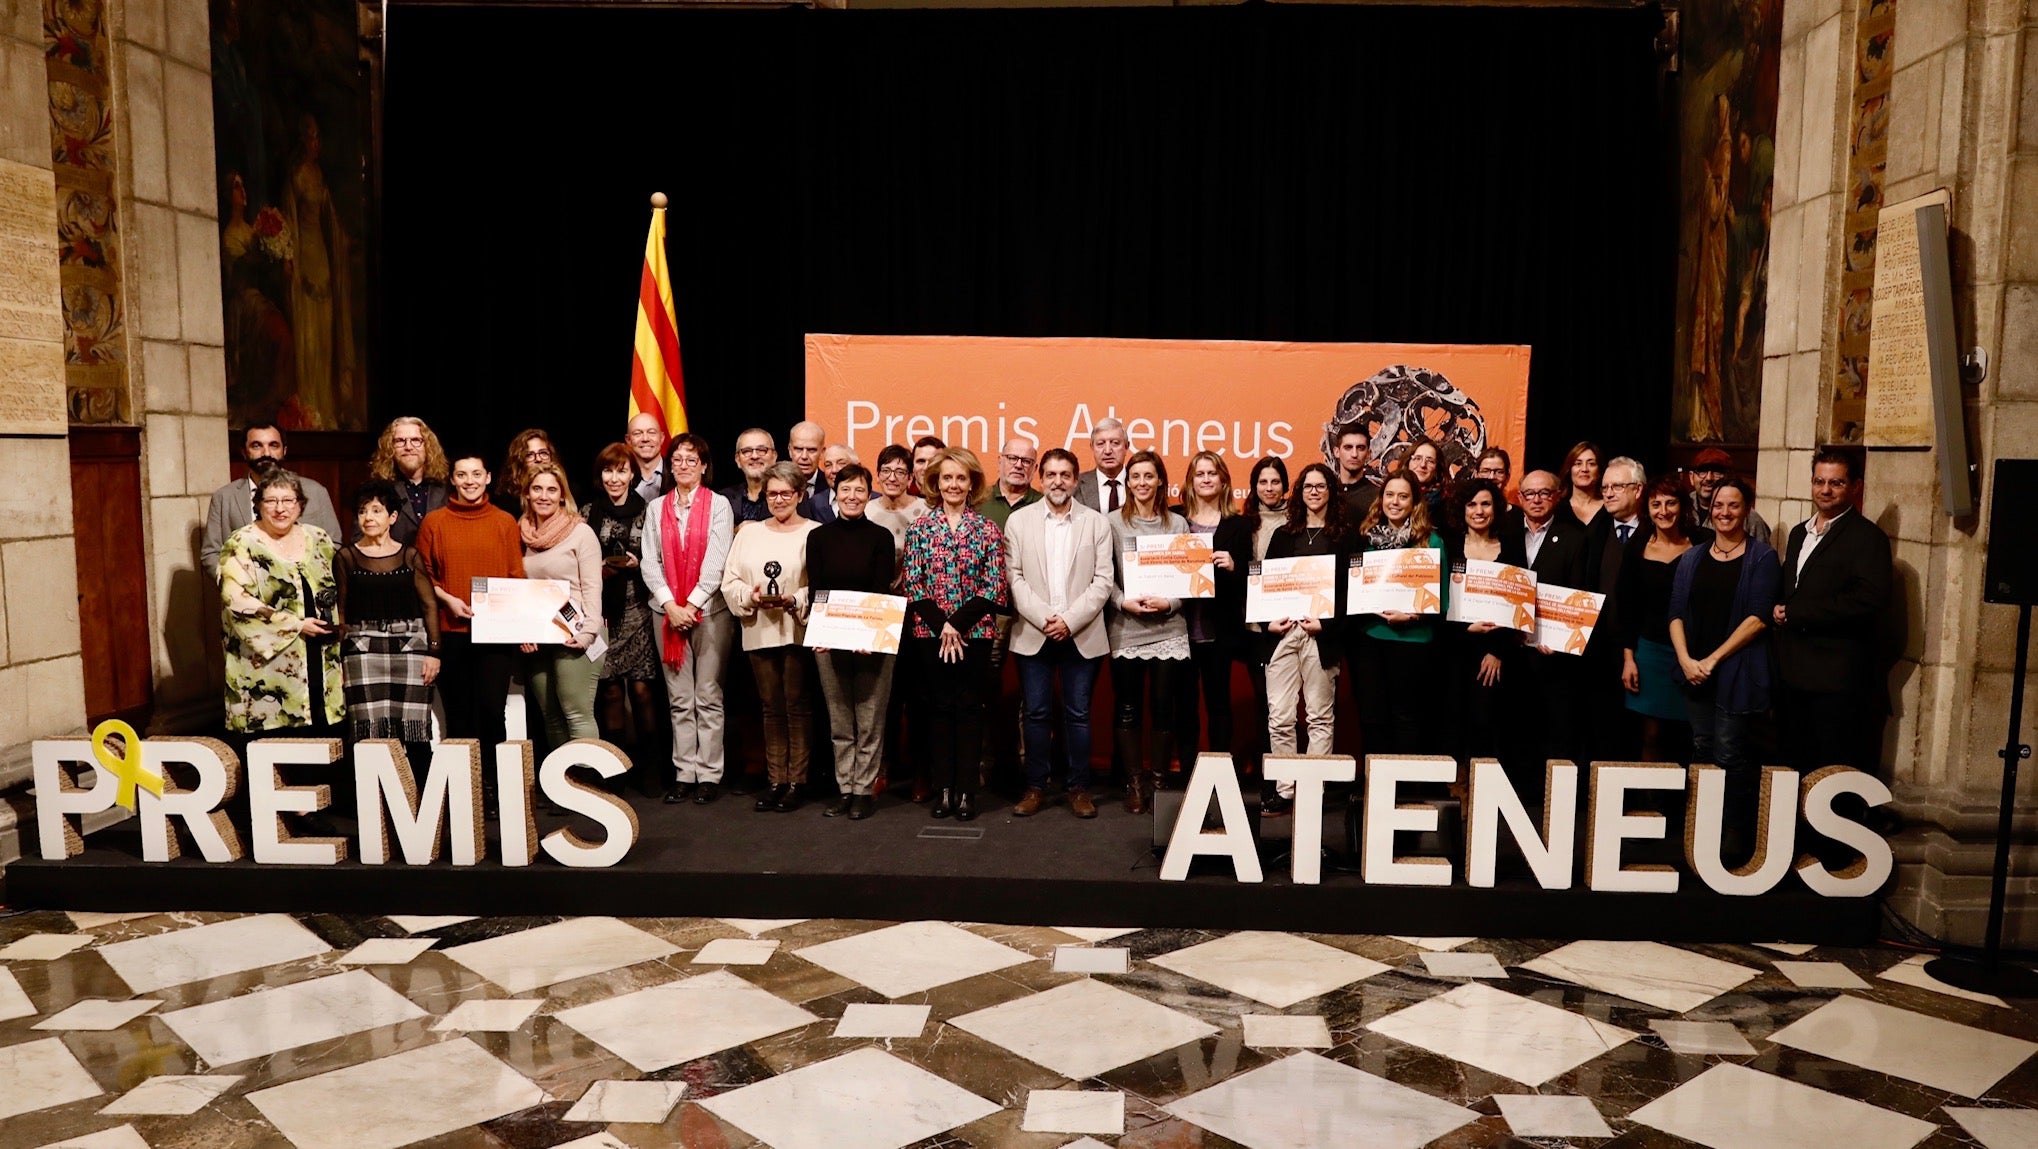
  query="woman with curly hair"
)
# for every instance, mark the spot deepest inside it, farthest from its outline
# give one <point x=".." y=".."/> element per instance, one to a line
<point x="409" y="455"/>
<point x="528" y="451"/>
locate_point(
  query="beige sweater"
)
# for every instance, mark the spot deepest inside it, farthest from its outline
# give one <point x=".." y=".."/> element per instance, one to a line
<point x="756" y="545"/>
<point x="578" y="561"/>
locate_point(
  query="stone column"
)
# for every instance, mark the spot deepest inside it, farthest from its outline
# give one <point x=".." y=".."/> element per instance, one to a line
<point x="42" y="685"/>
<point x="168" y="195"/>
<point x="1963" y="115"/>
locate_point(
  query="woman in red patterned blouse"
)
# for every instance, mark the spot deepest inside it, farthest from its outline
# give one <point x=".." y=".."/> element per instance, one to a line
<point x="955" y="582"/>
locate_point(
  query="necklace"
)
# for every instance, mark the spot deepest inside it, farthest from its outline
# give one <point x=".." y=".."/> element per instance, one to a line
<point x="1730" y="552"/>
<point x="1313" y="532"/>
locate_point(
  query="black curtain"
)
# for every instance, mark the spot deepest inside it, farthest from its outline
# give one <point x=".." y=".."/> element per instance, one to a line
<point x="1342" y="173"/>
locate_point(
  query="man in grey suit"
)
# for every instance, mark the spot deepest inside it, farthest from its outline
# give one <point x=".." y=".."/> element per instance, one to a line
<point x="233" y="506"/>
<point x="1103" y="489"/>
<point x="1058" y="554"/>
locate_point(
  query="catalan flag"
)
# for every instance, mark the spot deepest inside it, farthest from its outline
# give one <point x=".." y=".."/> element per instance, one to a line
<point x="656" y="383"/>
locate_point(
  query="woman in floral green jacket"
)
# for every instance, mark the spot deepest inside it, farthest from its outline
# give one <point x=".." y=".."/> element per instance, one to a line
<point x="276" y="584"/>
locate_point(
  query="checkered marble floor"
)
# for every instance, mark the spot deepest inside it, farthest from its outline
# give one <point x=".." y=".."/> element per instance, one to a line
<point x="124" y="1031"/>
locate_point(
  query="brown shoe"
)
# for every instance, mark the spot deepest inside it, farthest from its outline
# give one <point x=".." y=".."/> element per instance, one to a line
<point x="1029" y="803"/>
<point x="922" y="791"/>
<point x="1135" y="795"/>
<point x="1080" y="804"/>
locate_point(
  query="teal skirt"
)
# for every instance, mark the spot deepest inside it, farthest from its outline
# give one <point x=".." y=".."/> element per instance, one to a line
<point x="1662" y="693"/>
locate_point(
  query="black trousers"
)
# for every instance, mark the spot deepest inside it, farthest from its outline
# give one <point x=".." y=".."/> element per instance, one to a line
<point x="474" y="683"/>
<point x="953" y="711"/>
<point x="1209" y="678"/>
<point x="1395" y="688"/>
<point x="1821" y="728"/>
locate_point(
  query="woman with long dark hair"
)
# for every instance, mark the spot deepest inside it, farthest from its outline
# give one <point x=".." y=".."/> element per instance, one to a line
<point x="1649" y="668"/>
<point x="1149" y="638"/>
<point x="1397" y="652"/>
<point x="1476" y="653"/>
<point x="1301" y="654"/>
<point x="1244" y="537"/>
<point x="626" y="696"/>
<point x="1215" y="638"/>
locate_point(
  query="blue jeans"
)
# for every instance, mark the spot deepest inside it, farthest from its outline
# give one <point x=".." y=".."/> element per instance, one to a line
<point x="1058" y="663"/>
<point x="1720" y="737"/>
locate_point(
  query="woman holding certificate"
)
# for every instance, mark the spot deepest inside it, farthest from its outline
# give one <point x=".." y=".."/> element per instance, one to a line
<point x="1216" y="633"/>
<point x="765" y="585"/>
<point x="1477" y="651"/>
<point x="955" y="582"/>
<point x="1721" y="597"/>
<point x="558" y="544"/>
<point x="852" y="553"/>
<point x="1397" y="650"/>
<point x="1302" y="653"/>
<point x="1149" y="637"/>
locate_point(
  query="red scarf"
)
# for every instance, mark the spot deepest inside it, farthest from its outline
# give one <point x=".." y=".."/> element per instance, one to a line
<point x="682" y="557"/>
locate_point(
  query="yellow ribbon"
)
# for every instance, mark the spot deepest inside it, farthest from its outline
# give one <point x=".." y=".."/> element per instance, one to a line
<point x="127" y="767"/>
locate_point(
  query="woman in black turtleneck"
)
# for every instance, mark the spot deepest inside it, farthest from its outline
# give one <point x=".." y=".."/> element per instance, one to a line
<point x="853" y="553"/>
<point x="627" y="705"/>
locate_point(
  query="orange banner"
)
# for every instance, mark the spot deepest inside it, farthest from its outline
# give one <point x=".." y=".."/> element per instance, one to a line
<point x="1175" y="396"/>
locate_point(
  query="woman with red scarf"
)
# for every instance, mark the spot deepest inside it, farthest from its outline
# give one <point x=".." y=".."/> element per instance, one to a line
<point x="687" y="532"/>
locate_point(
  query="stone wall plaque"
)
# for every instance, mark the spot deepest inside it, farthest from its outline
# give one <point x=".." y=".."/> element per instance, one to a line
<point x="31" y="324"/>
<point x="1899" y="343"/>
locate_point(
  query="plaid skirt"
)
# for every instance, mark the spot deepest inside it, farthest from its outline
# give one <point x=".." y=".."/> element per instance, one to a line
<point x="385" y="676"/>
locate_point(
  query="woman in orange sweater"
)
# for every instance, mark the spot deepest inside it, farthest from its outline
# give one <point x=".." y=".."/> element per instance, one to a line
<point x="461" y="541"/>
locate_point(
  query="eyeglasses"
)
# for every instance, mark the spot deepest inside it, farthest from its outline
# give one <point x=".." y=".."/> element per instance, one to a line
<point x="753" y="450"/>
<point x="1315" y="487"/>
<point x="1538" y="493"/>
<point x="1022" y="460"/>
<point x="536" y="456"/>
<point x="285" y="501"/>
<point x="408" y="441"/>
<point x="1623" y="486"/>
<point x="686" y="460"/>
<point x="895" y="471"/>
<point x="781" y="494"/>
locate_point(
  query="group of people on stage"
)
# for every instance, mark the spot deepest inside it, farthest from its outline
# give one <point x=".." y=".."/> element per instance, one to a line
<point x="1706" y="629"/>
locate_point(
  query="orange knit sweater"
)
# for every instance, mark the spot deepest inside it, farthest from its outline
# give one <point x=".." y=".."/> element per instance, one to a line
<point x="461" y="542"/>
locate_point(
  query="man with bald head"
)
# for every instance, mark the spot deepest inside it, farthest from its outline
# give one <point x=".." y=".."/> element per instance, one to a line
<point x="646" y="440"/>
<point x="1015" y="487"/>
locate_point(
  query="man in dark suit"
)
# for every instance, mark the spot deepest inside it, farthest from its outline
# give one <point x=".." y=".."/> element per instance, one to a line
<point x="1836" y="584"/>
<point x="410" y="456"/>
<point x="1611" y="736"/>
<point x="1558" y="551"/>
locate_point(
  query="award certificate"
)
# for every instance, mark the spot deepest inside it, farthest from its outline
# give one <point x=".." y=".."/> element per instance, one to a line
<point x="1494" y="592"/>
<point x="1300" y="587"/>
<point x="863" y="621"/>
<point x="1565" y="617"/>
<point x="1409" y="581"/>
<point x="521" y="610"/>
<point x="1170" y="566"/>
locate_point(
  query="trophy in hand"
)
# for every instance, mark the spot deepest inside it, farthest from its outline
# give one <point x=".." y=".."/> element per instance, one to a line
<point x="771" y="597"/>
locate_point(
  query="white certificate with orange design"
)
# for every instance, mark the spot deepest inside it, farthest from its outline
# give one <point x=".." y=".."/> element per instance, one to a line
<point x="862" y="621"/>
<point x="1565" y="617"/>
<point x="1404" y="581"/>
<point x="1304" y="586"/>
<point x="521" y="610"/>
<point x="1492" y="592"/>
<point x="1170" y="566"/>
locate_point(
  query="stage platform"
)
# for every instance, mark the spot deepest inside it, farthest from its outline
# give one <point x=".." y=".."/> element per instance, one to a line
<point x="726" y="860"/>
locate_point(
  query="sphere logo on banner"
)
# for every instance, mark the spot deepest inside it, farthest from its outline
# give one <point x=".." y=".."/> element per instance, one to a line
<point x="1176" y="397"/>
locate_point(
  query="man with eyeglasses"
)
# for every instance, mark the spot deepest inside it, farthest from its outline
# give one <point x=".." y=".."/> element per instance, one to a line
<point x="1015" y="487"/>
<point x="1707" y="471"/>
<point x="756" y="451"/>
<point x="1613" y="733"/>
<point x="409" y="455"/>
<point x="1559" y="555"/>
<point x="233" y="506"/>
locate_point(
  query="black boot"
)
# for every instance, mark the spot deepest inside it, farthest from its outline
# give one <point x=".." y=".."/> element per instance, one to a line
<point x="1127" y="738"/>
<point x="771" y="798"/>
<point x="944" y="804"/>
<point x="966" y="807"/>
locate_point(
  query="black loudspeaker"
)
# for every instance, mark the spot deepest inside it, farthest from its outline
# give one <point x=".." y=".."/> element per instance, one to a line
<point x="2012" y="575"/>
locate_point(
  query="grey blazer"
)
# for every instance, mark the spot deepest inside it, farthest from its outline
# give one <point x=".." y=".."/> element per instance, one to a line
<point x="1086" y="489"/>
<point x="233" y="507"/>
<point x="1092" y="581"/>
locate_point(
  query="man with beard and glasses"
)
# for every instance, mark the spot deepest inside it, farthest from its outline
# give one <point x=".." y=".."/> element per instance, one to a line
<point x="233" y="506"/>
<point x="409" y="455"/>
<point x="1060" y="558"/>
<point x="756" y="451"/>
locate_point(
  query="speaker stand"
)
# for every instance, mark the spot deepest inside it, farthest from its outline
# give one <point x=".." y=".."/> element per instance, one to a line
<point x="1986" y="973"/>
